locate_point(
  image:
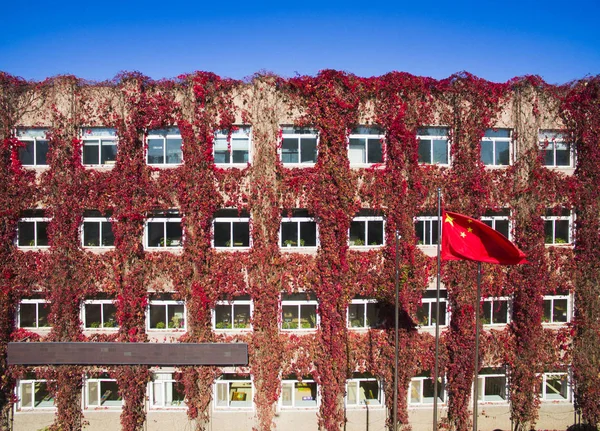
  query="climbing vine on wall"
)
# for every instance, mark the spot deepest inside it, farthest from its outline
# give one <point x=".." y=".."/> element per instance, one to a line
<point x="334" y="103"/>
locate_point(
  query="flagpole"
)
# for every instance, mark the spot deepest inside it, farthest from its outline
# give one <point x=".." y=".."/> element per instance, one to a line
<point x="476" y="372"/>
<point x="437" y="315"/>
<point x="397" y="288"/>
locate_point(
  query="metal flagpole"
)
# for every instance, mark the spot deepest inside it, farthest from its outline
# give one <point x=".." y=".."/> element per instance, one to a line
<point x="437" y="316"/>
<point x="476" y="372"/>
<point x="395" y="419"/>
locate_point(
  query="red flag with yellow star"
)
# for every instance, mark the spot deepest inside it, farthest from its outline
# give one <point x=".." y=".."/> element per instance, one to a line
<point x="464" y="238"/>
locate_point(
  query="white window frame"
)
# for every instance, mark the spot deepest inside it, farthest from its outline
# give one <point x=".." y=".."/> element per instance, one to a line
<point x="32" y="384"/>
<point x="569" y="310"/>
<point x="495" y="140"/>
<point x="163" y="219"/>
<point x="547" y="138"/>
<point x="39" y="303"/>
<point x="418" y="382"/>
<point x="34" y="135"/>
<point x="34" y="220"/>
<point x="431" y="310"/>
<point x="428" y="221"/>
<point x="98" y="136"/>
<point x="166" y="303"/>
<point x="292" y="384"/>
<point x="100" y="395"/>
<point x="232" y="304"/>
<point x="565" y="377"/>
<point x="493" y="300"/>
<point x="481" y="381"/>
<point x="227" y="383"/>
<point x="100" y="220"/>
<point x="367" y="220"/>
<point x="495" y="218"/>
<point x="102" y="322"/>
<point x="366" y="302"/>
<point x="240" y="131"/>
<point x="231" y="221"/>
<point x="311" y="134"/>
<point x="300" y="304"/>
<point x="367" y="137"/>
<point x="163" y="380"/>
<point x="299" y="240"/>
<point x="370" y="403"/>
<point x="431" y="138"/>
<point x="164" y="134"/>
<point x="554" y="219"/>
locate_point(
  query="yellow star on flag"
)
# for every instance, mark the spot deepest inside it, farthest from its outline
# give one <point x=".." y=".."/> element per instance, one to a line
<point x="449" y="220"/>
<point x="463" y="235"/>
<point x="469" y="229"/>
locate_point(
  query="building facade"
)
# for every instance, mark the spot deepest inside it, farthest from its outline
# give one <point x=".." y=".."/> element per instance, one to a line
<point x="211" y="210"/>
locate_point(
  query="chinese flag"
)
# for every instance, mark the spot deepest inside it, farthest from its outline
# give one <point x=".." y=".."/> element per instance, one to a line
<point x="464" y="238"/>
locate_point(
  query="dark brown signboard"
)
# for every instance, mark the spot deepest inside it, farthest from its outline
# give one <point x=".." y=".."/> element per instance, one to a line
<point x="159" y="354"/>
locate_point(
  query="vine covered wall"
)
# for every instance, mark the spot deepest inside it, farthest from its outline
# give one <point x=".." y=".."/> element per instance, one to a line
<point x="332" y="191"/>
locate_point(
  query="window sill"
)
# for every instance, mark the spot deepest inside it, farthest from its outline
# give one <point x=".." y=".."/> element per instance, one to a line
<point x="366" y="247"/>
<point x="367" y="165"/>
<point x="226" y="166"/>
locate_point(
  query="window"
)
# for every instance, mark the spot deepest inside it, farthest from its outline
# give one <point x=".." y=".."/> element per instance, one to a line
<point x="300" y="394"/>
<point x="35" y="151"/>
<point x="555" y="387"/>
<point x="163" y="230"/>
<point x="164" y="146"/>
<point x="555" y="152"/>
<point x="32" y="230"/>
<point x="557" y="309"/>
<point x="298" y="146"/>
<point x="495" y="147"/>
<point x="99" y="314"/>
<point x="232" y="147"/>
<point x="234" y="314"/>
<point x="97" y="230"/>
<point x="426" y="311"/>
<point x="499" y="221"/>
<point x="299" y="312"/>
<point x="363" y="314"/>
<point x="102" y="392"/>
<point x="363" y="389"/>
<point x="366" y="229"/>
<point x="365" y="146"/>
<point x="433" y="145"/>
<point x="99" y="146"/>
<point x="33" y="313"/>
<point x="422" y="390"/>
<point x="426" y="229"/>
<point x="496" y="311"/>
<point x="558" y="227"/>
<point x="492" y="384"/>
<point x="166" y="314"/>
<point x="166" y="392"/>
<point x="231" y="229"/>
<point x="300" y="230"/>
<point x="34" y="394"/>
<point x="233" y="391"/>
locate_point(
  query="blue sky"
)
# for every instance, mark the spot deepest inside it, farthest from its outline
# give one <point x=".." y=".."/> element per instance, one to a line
<point x="494" y="40"/>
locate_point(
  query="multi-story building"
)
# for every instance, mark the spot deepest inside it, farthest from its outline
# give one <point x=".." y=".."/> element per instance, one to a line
<point x="266" y="212"/>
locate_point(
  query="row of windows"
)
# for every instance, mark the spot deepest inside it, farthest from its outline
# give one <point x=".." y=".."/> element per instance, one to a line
<point x="232" y="391"/>
<point x="229" y="231"/>
<point x="297" y="313"/>
<point x="296" y="231"/>
<point x="558" y="226"/>
<point x="492" y="387"/>
<point x="297" y="147"/>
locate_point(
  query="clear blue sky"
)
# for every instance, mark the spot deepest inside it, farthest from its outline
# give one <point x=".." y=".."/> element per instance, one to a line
<point x="495" y="40"/>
